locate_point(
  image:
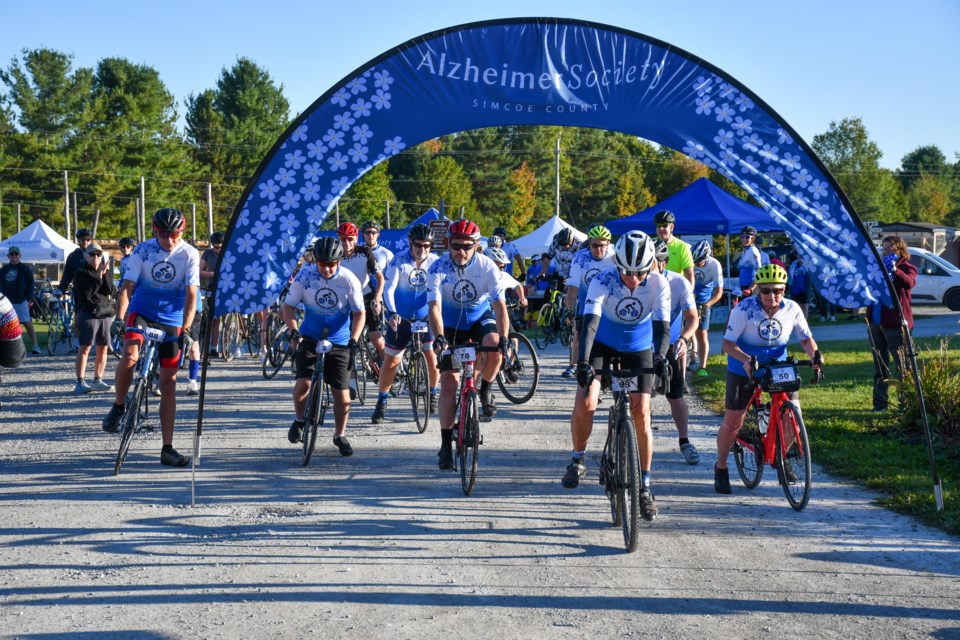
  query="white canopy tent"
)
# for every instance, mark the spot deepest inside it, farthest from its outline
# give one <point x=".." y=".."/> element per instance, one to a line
<point x="539" y="239"/>
<point x="38" y="244"/>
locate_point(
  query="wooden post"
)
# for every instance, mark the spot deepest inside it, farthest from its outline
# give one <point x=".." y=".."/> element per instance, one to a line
<point x="18" y="217"/>
<point x="96" y="221"/>
<point x="209" y="209"/>
<point x="143" y="199"/>
<point x="136" y="220"/>
<point x="388" y="214"/>
<point x="193" y="225"/>
<point x="76" y="222"/>
<point x="66" y="204"/>
<point x="337" y="209"/>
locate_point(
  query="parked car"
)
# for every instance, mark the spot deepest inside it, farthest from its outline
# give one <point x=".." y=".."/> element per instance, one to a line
<point x="938" y="281"/>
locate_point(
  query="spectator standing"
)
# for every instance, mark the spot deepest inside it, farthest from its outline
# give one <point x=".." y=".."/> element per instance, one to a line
<point x="800" y="283"/>
<point x="93" y="290"/>
<point x="752" y="258"/>
<point x="886" y="323"/>
<point x="707" y="292"/>
<point x="17" y="281"/>
<point x="76" y="259"/>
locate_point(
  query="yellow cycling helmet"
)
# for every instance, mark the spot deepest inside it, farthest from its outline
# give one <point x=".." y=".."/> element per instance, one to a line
<point x="771" y="274"/>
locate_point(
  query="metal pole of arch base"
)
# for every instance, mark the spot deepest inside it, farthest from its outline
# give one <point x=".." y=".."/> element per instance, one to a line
<point x="912" y="356"/>
<point x="206" y="325"/>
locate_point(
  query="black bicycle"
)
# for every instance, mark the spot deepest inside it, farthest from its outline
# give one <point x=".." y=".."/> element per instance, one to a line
<point x="520" y="371"/>
<point x="413" y="373"/>
<point x="318" y="401"/>
<point x="137" y="407"/>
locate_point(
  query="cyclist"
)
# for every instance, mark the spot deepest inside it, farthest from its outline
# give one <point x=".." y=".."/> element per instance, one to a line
<point x="707" y="291"/>
<point x="587" y="263"/>
<point x="510" y="284"/>
<point x="333" y="300"/>
<point x="560" y="253"/>
<point x="680" y="259"/>
<point x="160" y="286"/>
<point x="361" y="261"/>
<point x="683" y="324"/>
<point x="752" y="258"/>
<point x="626" y="315"/>
<point x="16" y="282"/>
<point x="465" y="302"/>
<point x="405" y="296"/>
<point x="759" y="326"/>
<point x="371" y="237"/>
<point x="208" y="264"/>
<point x="126" y="248"/>
<point x="513" y="253"/>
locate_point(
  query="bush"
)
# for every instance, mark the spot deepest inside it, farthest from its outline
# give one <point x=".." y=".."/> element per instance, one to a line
<point x="940" y="378"/>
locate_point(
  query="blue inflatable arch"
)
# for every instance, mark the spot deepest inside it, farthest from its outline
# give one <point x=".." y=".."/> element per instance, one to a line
<point x="538" y="71"/>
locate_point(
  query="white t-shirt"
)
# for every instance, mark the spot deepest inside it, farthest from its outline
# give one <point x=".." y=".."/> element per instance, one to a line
<point x="761" y="336"/>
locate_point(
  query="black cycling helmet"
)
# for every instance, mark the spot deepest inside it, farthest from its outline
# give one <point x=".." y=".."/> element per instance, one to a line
<point x="327" y="249"/>
<point x="83" y="232"/>
<point x="169" y="220"/>
<point x="420" y="232"/>
<point x="664" y="217"/>
<point x="370" y="224"/>
<point x="748" y="231"/>
<point x="500" y="231"/>
<point x="217" y="237"/>
<point x="127" y="241"/>
<point x="563" y="237"/>
<point x="661" y="251"/>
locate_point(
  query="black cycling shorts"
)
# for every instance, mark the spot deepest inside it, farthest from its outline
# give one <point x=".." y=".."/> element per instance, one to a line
<point x="336" y="363"/>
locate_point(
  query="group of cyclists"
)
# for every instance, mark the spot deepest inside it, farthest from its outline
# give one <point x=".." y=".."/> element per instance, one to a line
<point x="626" y="309"/>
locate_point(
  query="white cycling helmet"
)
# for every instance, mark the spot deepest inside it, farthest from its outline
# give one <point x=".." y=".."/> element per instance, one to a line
<point x="634" y="251"/>
<point x="496" y="254"/>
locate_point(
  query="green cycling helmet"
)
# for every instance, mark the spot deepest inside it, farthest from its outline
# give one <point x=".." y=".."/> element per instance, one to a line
<point x="771" y="274"/>
<point x="600" y="232"/>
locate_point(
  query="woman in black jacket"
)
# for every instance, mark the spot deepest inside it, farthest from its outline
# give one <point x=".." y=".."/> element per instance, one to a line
<point x="93" y="290"/>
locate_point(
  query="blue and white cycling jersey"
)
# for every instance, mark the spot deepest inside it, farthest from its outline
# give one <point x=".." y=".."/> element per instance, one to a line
<point x="759" y="335"/>
<point x="584" y="269"/>
<point x="405" y="291"/>
<point x="626" y="317"/>
<point x="751" y="260"/>
<point x="383" y="256"/>
<point x="681" y="299"/>
<point x="707" y="279"/>
<point x="512" y="252"/>
<point x="363" y="264"/>
<point x="328" y="304"/>
<point x="160" y="280"/>
<point x="464" y="293"/>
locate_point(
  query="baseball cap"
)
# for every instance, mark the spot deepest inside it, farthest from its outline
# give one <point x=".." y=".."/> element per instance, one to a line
<point x="15" y="250"/>
<point x="93" y="248"/>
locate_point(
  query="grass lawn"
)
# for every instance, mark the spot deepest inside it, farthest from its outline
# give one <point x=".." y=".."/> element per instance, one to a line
<point x="848" y="439"/>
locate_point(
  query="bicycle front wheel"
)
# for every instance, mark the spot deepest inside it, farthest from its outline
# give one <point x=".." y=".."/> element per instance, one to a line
<point x="544" y="333"/>
<point x="608" y="474"/>
<point x="230" y="336"/>
<point x="520" y="372"/>
<point x="277" y="353"/>
<point x="794" y="467"/>
<point x="116" y="337"/>
<point x="311" y="418"/>
<point x="468" y="444"/>
<point x="564" y="333"/>
<point x="418" y="383"/>
<point x="130" y="422"/>
<point x="627" y="470"/>
<point x="748" y="450"/>
<point x="361" y="368"/>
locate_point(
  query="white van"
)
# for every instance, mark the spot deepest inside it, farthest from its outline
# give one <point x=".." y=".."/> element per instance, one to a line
<point x="938" y="281"/>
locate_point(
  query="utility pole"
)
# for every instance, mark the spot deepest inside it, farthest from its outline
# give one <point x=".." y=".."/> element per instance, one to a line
<point x="193" y="218"/>
<point x="143" y="200"/>
<point x="209" y="209"/>
<point x="76" y="216"/>
<point x="556" y="180"/>
<point x="388" y="214"/>
<point x="337" y="214"/>
<point x="96" y="221"/>
<point x="18" y="217"/>
<point x="136" y="220"/>
<point x="66" y="204"/>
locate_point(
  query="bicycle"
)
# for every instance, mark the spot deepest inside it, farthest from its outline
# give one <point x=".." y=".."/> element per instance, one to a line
<point x="620" y="460"/>
<point x="117" y="329"/>
<point x="413" y="372"/>
<point x="60" y="333"/>
<point x="519" y="372"/>
<point x="318" y="401"/>
<point x="279" y="351"/>
<point x="466" y="426"/>
<point x="551" y="319"/>
<point x="782" y="443"/>
<point x="137" y="408"/>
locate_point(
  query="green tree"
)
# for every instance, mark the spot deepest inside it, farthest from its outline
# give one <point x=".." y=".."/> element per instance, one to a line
<point x="487" y="162"/>
<point x="927" y="160"/>
<point x="367" y="199"/>
<point x="928" y="200"/>
<point x="233" y="125"/>
<point x="523" y="201"/>
<point x="440" y="177"/>
<point x="854" y="160"/>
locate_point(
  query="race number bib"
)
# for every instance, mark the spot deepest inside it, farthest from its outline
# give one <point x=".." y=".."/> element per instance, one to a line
<point x="324" y="346"/>
<point x="623" y="384"/>
<point x="153" y="334"/>
<point x="464" y="354"/>
<point x="783" y="374"/>
<point x="418" y="327"/>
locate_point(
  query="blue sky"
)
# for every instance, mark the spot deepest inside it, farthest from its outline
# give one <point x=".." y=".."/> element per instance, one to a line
<point x="812" y="61"/>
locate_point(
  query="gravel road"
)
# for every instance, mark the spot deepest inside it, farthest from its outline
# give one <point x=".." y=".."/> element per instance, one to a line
<point x="384" y="545"/>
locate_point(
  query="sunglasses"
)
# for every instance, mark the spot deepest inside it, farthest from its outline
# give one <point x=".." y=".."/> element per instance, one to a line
<point x="421" y="245"/>
<point x="366" y="231"/>
<point x="777" y="291"/>
<point x="324" y="263"/>
<point x="663" y="226"/>
<point x="95" y="255"/>
<point x="632" y="274"/>
<point x="169" y="235"/>
<point x="348" y="238"/>
<point x="13" y="255"/>
<point x="456" y="246"/>
<point x="745" y="236"/>
<point x="599" y="245"/>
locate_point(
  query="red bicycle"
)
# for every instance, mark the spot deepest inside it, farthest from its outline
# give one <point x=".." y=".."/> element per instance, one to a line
<point x="774" y="433"/>
<point x="466" y="428"/>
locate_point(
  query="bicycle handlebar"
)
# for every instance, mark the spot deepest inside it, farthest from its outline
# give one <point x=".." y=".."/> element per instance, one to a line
<point x="758" y="369"/>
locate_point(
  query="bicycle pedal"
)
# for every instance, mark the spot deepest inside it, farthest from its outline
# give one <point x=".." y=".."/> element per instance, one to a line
<point x="484" y="418"/>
